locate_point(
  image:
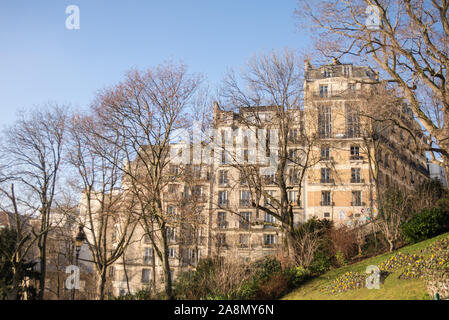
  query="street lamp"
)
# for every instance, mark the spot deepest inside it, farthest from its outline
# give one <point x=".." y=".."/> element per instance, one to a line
<point x="79" y="239"/>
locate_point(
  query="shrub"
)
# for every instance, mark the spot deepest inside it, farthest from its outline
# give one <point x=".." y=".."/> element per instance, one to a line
<point x="215" y="279"/>
<point x="344" y="243"/>
<point x="274" y="287"/>
<point x="296" y="276"/>
<point x="321" y="263"/>
<point x="427" y="224"/>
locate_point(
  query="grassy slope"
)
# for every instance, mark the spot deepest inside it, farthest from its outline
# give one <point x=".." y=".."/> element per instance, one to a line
<point x="392" y="289"/>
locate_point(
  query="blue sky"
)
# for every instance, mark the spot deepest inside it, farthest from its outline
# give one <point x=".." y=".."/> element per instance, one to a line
<point x="41" y="60"/>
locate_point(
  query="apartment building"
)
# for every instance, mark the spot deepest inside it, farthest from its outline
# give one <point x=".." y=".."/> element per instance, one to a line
<point x="361" y="153"/>
<point x="220" y="207"/>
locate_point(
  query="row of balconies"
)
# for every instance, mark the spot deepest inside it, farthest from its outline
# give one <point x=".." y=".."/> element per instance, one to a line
<point x="332" y="204"/>
<point x="333" y="181"/>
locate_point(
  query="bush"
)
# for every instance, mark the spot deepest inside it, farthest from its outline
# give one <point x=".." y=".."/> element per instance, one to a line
<point x="427" y="224"/>
<point x="274" y="287"/>
<point x="321" y="263"/>
<point x="296" y="276"/>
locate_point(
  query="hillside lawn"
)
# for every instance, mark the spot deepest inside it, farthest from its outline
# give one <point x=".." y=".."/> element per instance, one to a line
<point x="392" y="289"/>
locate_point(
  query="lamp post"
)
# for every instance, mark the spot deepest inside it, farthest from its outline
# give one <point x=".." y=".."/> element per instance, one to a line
<point x="79" y="239"/>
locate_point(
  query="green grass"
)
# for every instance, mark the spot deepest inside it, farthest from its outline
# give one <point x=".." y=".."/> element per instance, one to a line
<point x="392" y="289"/>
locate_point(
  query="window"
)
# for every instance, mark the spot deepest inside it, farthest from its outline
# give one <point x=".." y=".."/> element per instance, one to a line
<point x="245" y="198"/>
<point x="324" y="91"/>
<point x="147" y="255"/>
<point x="268" y="239"/>
<point x="292" y="195"/>
<point x="293" y="176"/>
<point x="293" y="135"/>
<point x="245" y="220"/>
<point x="171" y="252"/>
<point x="327" y="215"/>
<point x="221" y="239"/>
<point x="244" y="241"/>
<point x="325" y="153"/>
<point x="268" y="218"/>
<point x="171" y="234"/>
<point x="222" y="198"/>
<point x="352" y="122"/>
<point x="325" y="175"/>
<point x="355" y="153"/>
<point x="145" y="275"/>
<point x="191" y="254"/>
<point x="324" y="122"/>
<point x="171" y="210"/>
<point x="243" y="180"/>
<point x="173" y="170"/>
<point x="325" y="198"/>
<point x="221" y="220"/>
<point x="223" y="177"/>
<point x="197" y="191"/>
<point x="267" y="199"/>
<point x="327" y="73"/>
<point x="346" y="70"/>
<point x="356" y="198"/>
<point x="292" y="155"/>
<point x="355" y="175"/>
<point x="223" y="157"/>
<point x="111" y="272"/>
<point x="270" y="178"/>
<point x="386" y="162"/>
<point x="197" y="171"/>
<point x="172" y="188"/>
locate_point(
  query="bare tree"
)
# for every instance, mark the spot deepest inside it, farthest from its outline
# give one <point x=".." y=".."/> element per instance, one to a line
<point x="146" y="111"/>
<point x="408" y="40"/>
<point x="105" y="214"/>
<point x="393" y="211"/>
<point x="23" y="243"/>
<point x="34" y="147"/>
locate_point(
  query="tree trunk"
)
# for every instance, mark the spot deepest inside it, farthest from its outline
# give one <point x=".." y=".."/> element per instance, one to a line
<point x="392" y="245"/>
<point x="102" y="283"/>
<point x="43" y="267"/>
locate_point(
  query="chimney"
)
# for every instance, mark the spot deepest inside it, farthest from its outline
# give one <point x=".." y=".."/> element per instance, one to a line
<point x="307" y="65"/>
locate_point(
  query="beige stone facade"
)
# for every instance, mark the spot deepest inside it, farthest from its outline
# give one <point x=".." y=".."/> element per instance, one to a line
<point x="220" y="219"/>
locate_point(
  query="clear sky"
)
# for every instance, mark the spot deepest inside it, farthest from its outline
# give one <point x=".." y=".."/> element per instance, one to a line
<point x="41" y="60"/>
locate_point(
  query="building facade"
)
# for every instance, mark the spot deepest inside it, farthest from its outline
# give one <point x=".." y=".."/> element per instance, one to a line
<point x="338" y="159"/>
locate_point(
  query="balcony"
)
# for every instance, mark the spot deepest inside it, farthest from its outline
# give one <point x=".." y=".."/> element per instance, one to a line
<point x="327" y="181"/>
<point x="331" y="159"/>
<point x="334" y="94"/>
<point x="194" y="197"/>
<point x="355" y="158"/>
<point x="223" y="203"/>
<point x="357" y="204"/>
<point x="327" y="204"/>
<point x="243" y="245"/>
<point x="245" y="203"/>
<point x="357" y="180"/>
<point x="243" y="225"/>
<point x="222" y="224"/>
